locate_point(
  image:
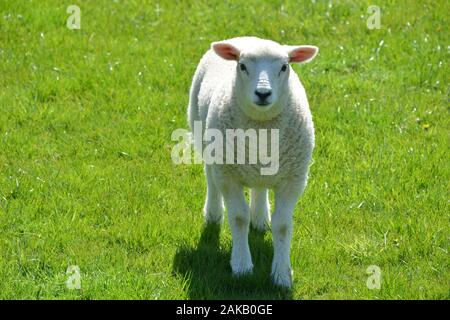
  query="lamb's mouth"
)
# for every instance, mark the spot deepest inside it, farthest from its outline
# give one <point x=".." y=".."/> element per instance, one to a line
<point x="263" y="103"/>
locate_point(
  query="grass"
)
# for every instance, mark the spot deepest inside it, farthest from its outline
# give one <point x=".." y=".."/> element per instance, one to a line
<point x="86" y="176"/>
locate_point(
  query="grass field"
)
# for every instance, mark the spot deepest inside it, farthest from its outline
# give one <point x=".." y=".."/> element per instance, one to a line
<point x="86" y="177"/>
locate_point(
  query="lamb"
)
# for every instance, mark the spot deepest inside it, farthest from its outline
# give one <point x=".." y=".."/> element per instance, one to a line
<point x="245" y="83"/>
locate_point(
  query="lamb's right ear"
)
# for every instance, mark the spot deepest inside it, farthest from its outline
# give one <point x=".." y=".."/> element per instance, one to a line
<point x="226" y="50"/>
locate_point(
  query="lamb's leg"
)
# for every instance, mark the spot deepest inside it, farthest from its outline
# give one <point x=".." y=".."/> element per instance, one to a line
<point x="213" y="208"/>
<point x="259" y="209"/>
<point x="285" y="200"/>
<point x="239" y="220"/>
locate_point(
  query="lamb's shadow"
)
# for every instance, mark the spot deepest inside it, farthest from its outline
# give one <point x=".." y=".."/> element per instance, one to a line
<point x="207" y="271"/>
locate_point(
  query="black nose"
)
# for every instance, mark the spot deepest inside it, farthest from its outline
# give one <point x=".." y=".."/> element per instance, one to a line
<point x="263" y="95"/>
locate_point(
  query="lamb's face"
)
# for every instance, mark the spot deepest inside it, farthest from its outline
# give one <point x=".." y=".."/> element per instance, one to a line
<point x="262" y="73"/>
<point x="261" y="79"/>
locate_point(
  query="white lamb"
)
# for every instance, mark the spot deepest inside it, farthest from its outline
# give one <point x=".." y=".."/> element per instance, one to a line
<point x="247" y="83"/>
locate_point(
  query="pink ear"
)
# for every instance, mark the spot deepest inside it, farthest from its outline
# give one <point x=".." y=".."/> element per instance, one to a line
<point x="302" y="53"/>
<point x="226" y="50"/>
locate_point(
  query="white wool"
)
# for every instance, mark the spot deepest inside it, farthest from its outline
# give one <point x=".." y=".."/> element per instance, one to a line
<point x="215" y="100"/>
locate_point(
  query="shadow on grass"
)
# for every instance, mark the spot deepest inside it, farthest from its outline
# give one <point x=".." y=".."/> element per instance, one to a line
<point x="208" y="275"/>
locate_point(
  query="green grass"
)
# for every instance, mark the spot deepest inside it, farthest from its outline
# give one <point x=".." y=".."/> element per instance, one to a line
<point x="86" y="176"/>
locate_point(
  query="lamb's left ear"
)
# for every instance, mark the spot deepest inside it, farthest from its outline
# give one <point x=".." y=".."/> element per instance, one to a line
<point x="226" y="50"/>
<point x="301" y="54"/>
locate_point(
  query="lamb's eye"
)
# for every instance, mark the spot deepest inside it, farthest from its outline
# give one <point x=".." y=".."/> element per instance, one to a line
<point x="284" y="67"/>
<point x="243" y="67"/>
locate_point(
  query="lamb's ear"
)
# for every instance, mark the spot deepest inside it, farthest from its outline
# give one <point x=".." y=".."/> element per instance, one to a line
<point x="226" y="50"/>
<point x="301" y="54"/>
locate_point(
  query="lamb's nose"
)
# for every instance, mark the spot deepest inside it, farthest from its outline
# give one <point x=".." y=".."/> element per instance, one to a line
<point x="263" y="95"/>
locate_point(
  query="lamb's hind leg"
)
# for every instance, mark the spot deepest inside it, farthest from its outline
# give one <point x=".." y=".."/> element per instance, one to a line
<point x="259" y="209"/>
<point x="213" y="209"/>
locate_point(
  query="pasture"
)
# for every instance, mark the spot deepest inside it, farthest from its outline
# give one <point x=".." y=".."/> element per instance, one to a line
<point x="87" y="180"/>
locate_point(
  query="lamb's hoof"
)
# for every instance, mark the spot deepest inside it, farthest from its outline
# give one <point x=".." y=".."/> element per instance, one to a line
<point x="260" y="225"/>
<point x="283" y="278"/>
<point x="213" y="216"/>
<point x="241" y="269"/>
<point x="209" y="219"/>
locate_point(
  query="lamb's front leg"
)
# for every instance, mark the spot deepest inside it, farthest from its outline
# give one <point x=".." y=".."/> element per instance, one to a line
<point x="285" y="200"/>
<point x="239" y="220"/>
